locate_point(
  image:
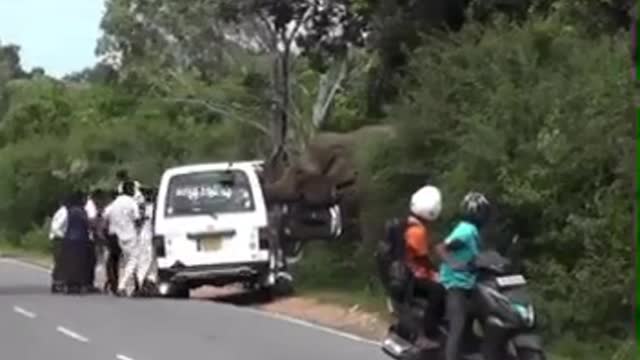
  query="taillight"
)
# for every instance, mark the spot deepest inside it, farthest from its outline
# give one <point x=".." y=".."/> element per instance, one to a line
<point x="158" y="244"/>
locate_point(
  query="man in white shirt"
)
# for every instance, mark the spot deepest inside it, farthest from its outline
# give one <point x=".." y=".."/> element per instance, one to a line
<point x="122" y="177"/>
<point x="123" y="216"/>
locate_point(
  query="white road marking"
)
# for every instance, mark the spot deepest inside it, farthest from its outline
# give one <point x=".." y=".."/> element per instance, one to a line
<point x="123" y="357"/>
<point x="256" y="311"/>
<point x="24" y="312"/>
<point x="71" y="334"/>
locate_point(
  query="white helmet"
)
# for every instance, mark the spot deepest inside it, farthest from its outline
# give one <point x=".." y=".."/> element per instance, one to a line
<point x="426" y="203"/>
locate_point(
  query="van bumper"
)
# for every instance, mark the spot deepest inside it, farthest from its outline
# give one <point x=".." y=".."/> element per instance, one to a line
<point x="217" y="275"/>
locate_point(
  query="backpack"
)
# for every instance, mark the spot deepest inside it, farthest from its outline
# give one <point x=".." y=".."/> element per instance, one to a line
<point x="394" y="272"/>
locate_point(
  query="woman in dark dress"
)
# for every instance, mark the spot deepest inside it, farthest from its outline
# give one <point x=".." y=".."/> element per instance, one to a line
<point x="76" y="256"/>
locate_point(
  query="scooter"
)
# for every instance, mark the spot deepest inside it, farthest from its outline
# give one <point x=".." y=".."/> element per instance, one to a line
<point x="505" y="326"/>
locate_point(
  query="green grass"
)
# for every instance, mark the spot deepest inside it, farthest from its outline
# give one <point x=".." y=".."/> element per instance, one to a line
<point x="36" y="256"/>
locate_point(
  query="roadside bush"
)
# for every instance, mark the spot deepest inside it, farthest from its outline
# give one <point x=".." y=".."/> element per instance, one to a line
<point x="78" y="140"/>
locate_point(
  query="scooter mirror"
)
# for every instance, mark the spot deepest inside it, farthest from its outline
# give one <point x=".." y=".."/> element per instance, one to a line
<point x="515" y="239"/>
<point x="514" y="252"/>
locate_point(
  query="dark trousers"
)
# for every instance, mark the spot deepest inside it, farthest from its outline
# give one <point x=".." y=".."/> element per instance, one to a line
<point x="113" y="262"/>
<point x="55" y="272"/>
<point x="435" y="293"/>
<point x="458" y="314"/>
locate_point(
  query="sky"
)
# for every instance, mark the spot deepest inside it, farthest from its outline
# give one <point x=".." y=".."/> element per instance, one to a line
<point x="57" y="35"/>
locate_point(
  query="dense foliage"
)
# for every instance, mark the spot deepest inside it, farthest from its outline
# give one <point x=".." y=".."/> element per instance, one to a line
<point x="532" y="108"/>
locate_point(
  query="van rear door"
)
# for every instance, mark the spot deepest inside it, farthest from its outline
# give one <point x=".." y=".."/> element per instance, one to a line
<point x="211" y="216"/>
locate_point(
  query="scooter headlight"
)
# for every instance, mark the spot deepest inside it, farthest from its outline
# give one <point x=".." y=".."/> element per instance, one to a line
<point x="527" y="313"/>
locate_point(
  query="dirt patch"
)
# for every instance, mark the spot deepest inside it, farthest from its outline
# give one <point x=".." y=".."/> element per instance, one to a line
<point x="352" y="320"/>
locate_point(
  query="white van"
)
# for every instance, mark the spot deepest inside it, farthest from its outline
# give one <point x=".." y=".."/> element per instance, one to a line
<point x="208" y="222"/>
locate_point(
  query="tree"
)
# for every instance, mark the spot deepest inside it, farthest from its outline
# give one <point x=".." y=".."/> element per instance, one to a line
<point x="275" y="30"/>
<point x="9" y="69"/>
<point x="101" y="73"/>
<point x="321" y="30"/>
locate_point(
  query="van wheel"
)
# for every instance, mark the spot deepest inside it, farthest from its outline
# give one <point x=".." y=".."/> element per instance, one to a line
<point x="282" y="287"/>
<point x="179" y="291"/>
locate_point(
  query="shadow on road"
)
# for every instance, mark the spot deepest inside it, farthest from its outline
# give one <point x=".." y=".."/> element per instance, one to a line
<point x="234" y="296"/>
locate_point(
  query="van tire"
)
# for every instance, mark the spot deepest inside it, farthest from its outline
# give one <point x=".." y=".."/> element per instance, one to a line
<point x="179" y="292"/>
<point x="282" y="287"/>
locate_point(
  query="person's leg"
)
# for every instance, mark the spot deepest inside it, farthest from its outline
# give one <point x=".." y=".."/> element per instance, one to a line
<point x="91" y="266"/>
<point x="144" y="261"/>
<point x="152" y="275"/>
<point x="128" y="268"/>
<point x="56" y="283"/>
<point x="457" y="315"/>
<point x="100" y="271"/>
<point x="113" y="263"/>
<point x="435" y="294"/>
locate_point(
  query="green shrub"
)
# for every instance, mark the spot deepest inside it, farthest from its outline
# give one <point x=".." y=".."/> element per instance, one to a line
<point x="534" y="116"/>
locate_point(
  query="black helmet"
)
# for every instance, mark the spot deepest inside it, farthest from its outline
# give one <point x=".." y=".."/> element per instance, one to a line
<point x="476" y="208"/>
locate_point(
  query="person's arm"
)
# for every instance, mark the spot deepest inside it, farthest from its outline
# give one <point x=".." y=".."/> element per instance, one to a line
<point x="135" y="213"/>
<point x="59" y="223"/>
<point x="91" y="210"/>
<point x="445" y="249"/>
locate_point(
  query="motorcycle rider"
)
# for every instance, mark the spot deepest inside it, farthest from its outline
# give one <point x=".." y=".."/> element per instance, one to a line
<point x="457" y="252"/>
<point x="425" y="208"/>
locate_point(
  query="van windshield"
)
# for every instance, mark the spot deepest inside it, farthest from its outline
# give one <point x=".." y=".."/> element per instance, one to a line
<point x="209" y="192"/>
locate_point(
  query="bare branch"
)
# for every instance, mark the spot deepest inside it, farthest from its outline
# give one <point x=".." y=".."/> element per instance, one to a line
<point x="215" y="109"/>
<point x="272" y="32"/>
<point x="305" y="17"/>
<point x="325" y="98"/>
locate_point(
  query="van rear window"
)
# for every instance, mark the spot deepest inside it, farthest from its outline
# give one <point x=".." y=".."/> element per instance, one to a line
<point x="209" y="192"/>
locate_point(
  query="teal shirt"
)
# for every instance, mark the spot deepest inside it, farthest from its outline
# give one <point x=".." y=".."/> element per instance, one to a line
<point x="469" y="235"/>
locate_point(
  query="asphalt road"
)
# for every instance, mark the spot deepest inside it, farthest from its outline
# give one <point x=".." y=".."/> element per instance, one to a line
<point x="36" y="325"/>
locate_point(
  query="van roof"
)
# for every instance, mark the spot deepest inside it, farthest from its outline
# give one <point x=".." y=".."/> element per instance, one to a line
<point x="240" y="165"/>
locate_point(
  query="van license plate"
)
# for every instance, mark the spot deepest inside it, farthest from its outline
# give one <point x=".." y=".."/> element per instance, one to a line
<point x="211" y="244"/>
<point x="513" y="280"/>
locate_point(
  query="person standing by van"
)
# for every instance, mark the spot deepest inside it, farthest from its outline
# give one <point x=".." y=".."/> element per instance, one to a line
<point x="147" y="273"/>
<point x="76" y="254"/>
<point x="113" y="249"/>
<point x="123" y="176"/>
<point x="95" y="211"/>
<point x="123" y="216"/>
<point x="57" y="230"/>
